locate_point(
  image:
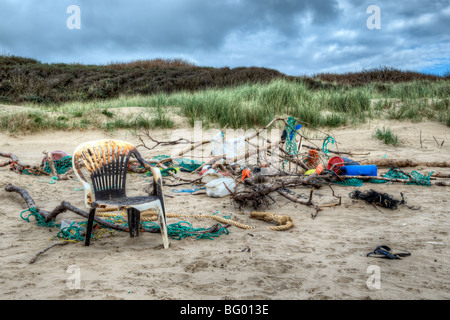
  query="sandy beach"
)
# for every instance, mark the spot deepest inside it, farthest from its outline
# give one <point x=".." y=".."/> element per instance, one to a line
<point x="321" y="258"/>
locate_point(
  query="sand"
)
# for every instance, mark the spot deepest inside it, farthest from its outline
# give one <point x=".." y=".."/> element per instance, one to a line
<point x="324" y="258"/>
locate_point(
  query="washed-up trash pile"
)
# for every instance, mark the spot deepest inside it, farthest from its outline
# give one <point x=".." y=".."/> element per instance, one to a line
<point x="252" y="170"/>
<point x="251" y="167"/>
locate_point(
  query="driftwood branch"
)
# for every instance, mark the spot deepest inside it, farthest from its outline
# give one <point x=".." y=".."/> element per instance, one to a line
<point x="12" y="158"/>
<point x="16" y="165"/>
<point x="46" y="249"/>
<point x="63" y="207"/>
<point x="157" y="143"/>
<point x="259" y="194"/>
<point x="399" y="163"/>
<point x="290" y="158"/>
<point x="340" y="199"/>
<point x="309" y="202"/>
<point x="441" y="175"/>
<point x="66" y="206"/>
<point x="65" y="176"/>
<point x="51" y="163"/>
<point x="432" y="183"/>
<point x="338" y="152"/>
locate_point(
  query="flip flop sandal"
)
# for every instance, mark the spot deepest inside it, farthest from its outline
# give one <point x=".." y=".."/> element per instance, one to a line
<point x="384" y="252"/>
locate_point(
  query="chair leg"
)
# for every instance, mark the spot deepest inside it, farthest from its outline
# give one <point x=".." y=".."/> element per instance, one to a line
<point x="131" y="223"/>
<point x="137" y="221"/>
<point x="163" y="225"/>
<point x="90" y="223"/>
<point x="134" y="218"/>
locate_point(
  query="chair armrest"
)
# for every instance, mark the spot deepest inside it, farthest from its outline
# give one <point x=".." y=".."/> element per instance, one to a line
<point x="157" y="186"/>
<point x="87" y="194"/>
<point x="156" y="173"/>
<point x="157" y="177"/>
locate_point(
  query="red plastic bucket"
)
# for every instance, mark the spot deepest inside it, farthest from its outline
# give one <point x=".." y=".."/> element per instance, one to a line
<point x="335" y="164"/>
<point x="339" y="162"/>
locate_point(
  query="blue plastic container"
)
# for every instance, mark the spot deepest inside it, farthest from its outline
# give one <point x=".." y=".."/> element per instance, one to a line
<point x="297" y="127"/>
<point x="349" y="162"/>
<point x="360" y="170"/>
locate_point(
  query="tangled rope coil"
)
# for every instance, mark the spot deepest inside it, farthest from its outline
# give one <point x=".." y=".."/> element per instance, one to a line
<point x="284" y="222"/>
<point x="75" y="231"/>
<point x="62" y="166"/>
<point x="327" y="140"/>
<point x="152" y="216"/>
<point x="415" y="178"/>
<point x="39" y="219"/>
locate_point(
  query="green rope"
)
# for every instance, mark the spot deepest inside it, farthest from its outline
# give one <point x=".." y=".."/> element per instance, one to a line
<point x="377" y="181"/>
<point x="291" y="145"/>
<point x="350" y="182"/>
<point x="176" y="231"/>
<point x="196" y="188"/>
<point x="179" y="230"/>
<point x="164" y="172"/>
<point x="183" y="229"/>
<point x="62" y="165"/>
<point x="72" y="232"/>
<point x="415" y="177"/>
<point x="183" y="164"/>
<point x="327" y="140"/>
<point x="188" y="165"/>
<point x="394" y="174"/>
<point x="31" y="172"/>
<point x="420" y="179"/>
<point x="51" y="181"/>
<point x="39" y="219"/>
<point x="161" y="157"/>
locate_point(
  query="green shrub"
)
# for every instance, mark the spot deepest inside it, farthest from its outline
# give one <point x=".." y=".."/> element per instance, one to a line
<point x="385" y="135"/>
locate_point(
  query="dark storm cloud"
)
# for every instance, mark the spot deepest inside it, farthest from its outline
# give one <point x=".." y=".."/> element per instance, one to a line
<point x="293" y="36"/>
<point x="160" y="25"/>
<point x="194" y="25"/>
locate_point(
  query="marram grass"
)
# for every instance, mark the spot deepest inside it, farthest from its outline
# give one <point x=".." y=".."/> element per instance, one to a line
<point x="246" y="106"/>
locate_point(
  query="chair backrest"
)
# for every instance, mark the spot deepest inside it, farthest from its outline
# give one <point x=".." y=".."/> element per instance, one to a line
<point x="107" y="163"/>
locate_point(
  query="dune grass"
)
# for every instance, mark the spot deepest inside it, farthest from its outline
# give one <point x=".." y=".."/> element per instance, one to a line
<point x="387" y="136"/>
<point x="248" y="106"/>
<point x="76" y="96"/>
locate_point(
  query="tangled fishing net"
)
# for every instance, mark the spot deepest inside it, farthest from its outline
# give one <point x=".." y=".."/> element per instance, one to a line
<point x="182" y="164"/>
<point x="75" y="231"/>
<point x="414" y="178"/>
<point x="373" y="197"/>
<point x="62" y="166"/>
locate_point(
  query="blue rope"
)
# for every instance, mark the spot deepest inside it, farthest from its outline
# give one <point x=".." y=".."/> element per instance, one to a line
<point x="187" y="190"/>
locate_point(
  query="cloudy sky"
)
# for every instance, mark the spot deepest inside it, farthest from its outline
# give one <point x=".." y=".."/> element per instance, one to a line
<point x="296" y="37"/>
